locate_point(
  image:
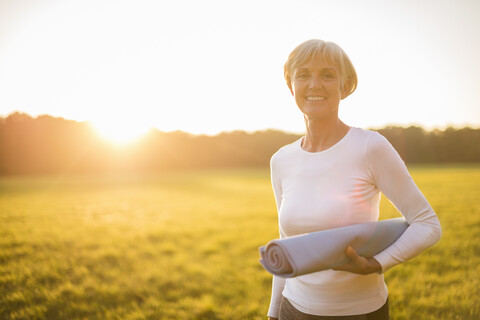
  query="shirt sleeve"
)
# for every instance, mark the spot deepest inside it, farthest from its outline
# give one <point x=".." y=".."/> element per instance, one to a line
<point x="389" y="173"/>
<point x="278" y="283"/>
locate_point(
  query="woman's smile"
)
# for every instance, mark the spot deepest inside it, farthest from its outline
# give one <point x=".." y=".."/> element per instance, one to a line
<point x="315" y="98"/>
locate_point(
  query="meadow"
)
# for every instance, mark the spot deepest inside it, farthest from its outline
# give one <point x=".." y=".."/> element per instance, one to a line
<point x="184" y="245"/>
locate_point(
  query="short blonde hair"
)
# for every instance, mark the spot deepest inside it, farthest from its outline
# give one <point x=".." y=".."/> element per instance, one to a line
<point x="328" y="51"/>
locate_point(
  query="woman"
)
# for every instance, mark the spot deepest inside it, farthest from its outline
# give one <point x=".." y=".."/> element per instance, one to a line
<point x="332" y="177"/>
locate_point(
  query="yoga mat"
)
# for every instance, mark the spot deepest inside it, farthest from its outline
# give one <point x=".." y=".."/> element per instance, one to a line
<point x="322" y="250"/>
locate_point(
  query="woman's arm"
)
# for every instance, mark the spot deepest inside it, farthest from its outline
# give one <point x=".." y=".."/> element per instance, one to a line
<point x="389" y="173"/>
<point x="278" y="283"/>
<point x="277" y="288"/>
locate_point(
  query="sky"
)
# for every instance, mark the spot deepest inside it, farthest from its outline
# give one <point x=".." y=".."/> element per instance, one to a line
<point x="216" y="65"/>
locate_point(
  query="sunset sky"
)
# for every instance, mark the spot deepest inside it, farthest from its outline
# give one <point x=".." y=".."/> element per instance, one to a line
<point x="217" y="65"/>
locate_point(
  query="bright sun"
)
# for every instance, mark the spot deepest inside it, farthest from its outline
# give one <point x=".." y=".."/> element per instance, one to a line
<point x="120" y="132"/>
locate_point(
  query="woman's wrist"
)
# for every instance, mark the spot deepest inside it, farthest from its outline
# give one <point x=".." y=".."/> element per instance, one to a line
<point x="373" y="266"/>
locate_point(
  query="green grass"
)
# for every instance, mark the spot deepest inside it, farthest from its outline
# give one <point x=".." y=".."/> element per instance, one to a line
<point x="185" y="246"/>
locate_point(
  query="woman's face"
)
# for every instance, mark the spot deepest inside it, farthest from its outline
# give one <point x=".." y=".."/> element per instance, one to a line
<point x="317" y="88"/>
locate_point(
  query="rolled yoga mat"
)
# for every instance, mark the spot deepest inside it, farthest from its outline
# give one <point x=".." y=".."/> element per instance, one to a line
<point x="322" y="250"/>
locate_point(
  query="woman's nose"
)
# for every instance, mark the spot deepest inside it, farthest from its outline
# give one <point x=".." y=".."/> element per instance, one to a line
<point x="315" y="82"/>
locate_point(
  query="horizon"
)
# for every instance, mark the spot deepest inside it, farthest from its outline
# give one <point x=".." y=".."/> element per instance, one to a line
<point x="54" y="145"/>
<point x="388" y="125"/>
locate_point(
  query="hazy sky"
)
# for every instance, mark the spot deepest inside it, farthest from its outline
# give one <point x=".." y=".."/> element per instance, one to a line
<point x="217" y="65"/>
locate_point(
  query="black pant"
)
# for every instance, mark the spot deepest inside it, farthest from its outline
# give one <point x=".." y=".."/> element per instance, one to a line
<point x="288" y="312"/>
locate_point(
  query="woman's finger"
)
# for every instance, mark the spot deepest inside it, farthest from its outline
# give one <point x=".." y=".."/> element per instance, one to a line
<point x="356" y="259"/>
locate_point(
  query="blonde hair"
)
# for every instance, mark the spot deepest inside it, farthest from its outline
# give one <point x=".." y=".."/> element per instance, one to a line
<point x="328" y="51"/>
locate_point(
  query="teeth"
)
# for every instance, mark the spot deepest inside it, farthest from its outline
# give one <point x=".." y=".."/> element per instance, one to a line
<point x="315" y="98"/>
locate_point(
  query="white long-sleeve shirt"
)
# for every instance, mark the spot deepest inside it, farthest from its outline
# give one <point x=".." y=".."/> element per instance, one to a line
<point x="338" y="187"/>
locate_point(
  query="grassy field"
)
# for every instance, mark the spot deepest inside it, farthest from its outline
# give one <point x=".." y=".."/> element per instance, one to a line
<point x="185" y="246"/>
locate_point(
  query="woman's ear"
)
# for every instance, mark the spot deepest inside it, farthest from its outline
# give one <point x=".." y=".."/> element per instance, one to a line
<point x="347" y="86"/>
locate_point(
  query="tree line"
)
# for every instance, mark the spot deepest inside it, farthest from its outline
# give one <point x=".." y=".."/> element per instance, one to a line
<point x="45" y="145"/>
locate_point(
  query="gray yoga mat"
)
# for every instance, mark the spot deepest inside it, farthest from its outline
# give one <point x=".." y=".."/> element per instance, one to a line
<point x="322" y="250"/>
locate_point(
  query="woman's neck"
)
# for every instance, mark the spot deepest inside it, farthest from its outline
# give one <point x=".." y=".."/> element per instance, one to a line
<point x="321" y="135"/>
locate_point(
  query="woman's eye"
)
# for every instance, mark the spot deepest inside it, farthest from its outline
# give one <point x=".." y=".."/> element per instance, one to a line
<point x="328" y="76"/>
<point x="302" y="75"/>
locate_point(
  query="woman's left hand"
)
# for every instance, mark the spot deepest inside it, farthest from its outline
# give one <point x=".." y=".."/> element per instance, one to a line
<point x="359" y="264"/>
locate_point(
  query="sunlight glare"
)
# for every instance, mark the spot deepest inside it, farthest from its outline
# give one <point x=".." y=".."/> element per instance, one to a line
<point x="120" y="132"/>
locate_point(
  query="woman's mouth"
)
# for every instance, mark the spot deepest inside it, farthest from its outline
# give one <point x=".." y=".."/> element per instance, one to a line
<point x="315" y="98"/>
